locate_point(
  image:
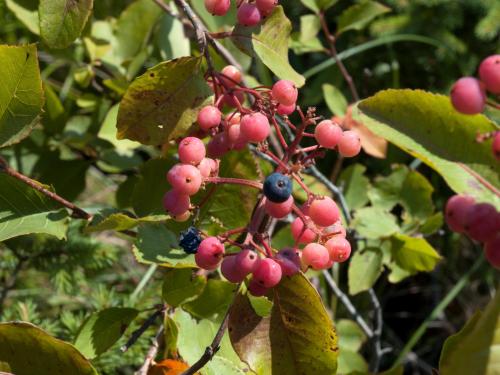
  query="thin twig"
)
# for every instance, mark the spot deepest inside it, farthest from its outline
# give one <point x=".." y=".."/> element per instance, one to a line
<point x="377" y="331"/>
<point x="152" y="352"/>
<point x="143" y="328"/>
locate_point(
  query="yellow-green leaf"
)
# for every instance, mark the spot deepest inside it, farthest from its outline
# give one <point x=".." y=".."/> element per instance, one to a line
<point x="364" y="269"/>
<point x="413" y="254"/>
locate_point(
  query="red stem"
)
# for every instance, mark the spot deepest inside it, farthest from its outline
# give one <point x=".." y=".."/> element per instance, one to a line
<point x="234" y="181"/>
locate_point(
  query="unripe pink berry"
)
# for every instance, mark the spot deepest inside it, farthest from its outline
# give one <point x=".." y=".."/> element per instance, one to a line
<point x="230" y="270"/>
<point x="306" y="235"/>
<point x="349" y="144"/>
<point x="492" y="251"/>
<point x="182" y="218"/>
<point x="316" y="256"/>
<point x="185" y="178"/>
<point x="268" y="273"/>
<point x="209" y="117"/>
<point x="231" y="76"/>
<point x="285" y="92"/>
<point x="256" y="289"/>
<point x="339" y="249"/>
<point x="248" y="15"/>
<point x="482" y="222"/>
<point x="218" y="7"/>
<point x="278" y="210"/>
<point x="489" y="72"/>
<point x="328" y="134"/>
<point x="247" y="261"/>
<point x="209" y="253"/>
<point x="218" y="146"/>
<point x="255" y="127"/>
<point x="456" y="212"/>
<point x="468" y="96"/>
<point x="324" y="212"/>
<point x="176" y="203"/>
<point x="266" y="7"/>
<point x="496" y="145"/>
<point x="191" y="150"/>
<point x="285" y="110"/>
<point x="289" y="261"/>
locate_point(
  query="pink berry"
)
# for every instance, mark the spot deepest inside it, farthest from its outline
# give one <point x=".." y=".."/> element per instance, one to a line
<point x="489" y="72"/>
<point x="289" y="261"/>
<point x="336" y="229"/>
<point x="324" y="212"/>
<point x="456" y="212"/>
<point x="492" y="251"/>
<point x="496" y="145"/>
<point x="209" y="117"/>
<point x="467" y="96"/>
<point x="209" y="253"/>
<point x="248" y="15"/>
<point x="176" y="203"/>
<point x="231" y="76"/>
<point x="306" y="235"/>
<point x="185" y="178"/>
<point x="247" y="261"/>
<point x="328" y="134"/>
<point x="255" y="127"/>
<point x="236" y="140"/>
<point x="482" y="222"/>
<point x="206" y="167"/>
<point x="192" y="150"/>
<point x="182" y="218"/>
<point x="278" y="210"/>
<point x="266" y="7"/>
<point x="232" y="100"/>
<point x="316" y="256"/>
<point x="268" y="273"/>
<point x="339" y="249"/>
<point x="218" y="146"/>
<point x="230" y="270"/>
<point x="349" y="144"/>
<point x="256" y="289"/>
<point x="285" y="92"/>
<point x="285" y="110"/>
<point x="217" y="7"/>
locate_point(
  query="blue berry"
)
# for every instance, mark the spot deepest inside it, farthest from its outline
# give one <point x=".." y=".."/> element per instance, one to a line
<point x="190" y="240"/>
<point x="277" y="188"/>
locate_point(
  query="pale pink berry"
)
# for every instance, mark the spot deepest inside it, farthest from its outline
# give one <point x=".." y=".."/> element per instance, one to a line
<point x="496" y="145"/>
<point x="209" y="117"/>
<point x="231" y="76"/>
<point x="210" y="253"/>
<point x="248" y="15"/>
<point x="268" y="273"/>
<point x="336" y="229"/>
<point x="236" y="140"/>
<point x="278" y="210"/>
<point x="489" y="72"/>
<point x="218" y="146"/>
<point x="468" y="96"/>
<point x="339" y="249"/>
<point x="255" y="127"/>
<point x="191" y="150"/>
<point x="316" y="256"/>
<point x="300" y="234"/>
<point x="232" y="100"/>
<point x="285" y="110"/>
<point x="324" y="212"/>
<point x="285" y="92"/>
<point x="176" y="203"/>
<point x="206" y="167"/>
<point x="492" y="251"/>
<point x="328" y="134"/>
<point x="256" y="289"/>
<point x="230" y="270"/>
<point x="289" y="261"/>
<point x="217" y="7"/>
<point x="482" y="222"/>
<point x="349" y="144"/>
<point x="266" y="7"/>
<point x="456" y="212"/>
<point x="247" y="261"/>
<point x="182" y="218"/>
<point x="185" y="178"/>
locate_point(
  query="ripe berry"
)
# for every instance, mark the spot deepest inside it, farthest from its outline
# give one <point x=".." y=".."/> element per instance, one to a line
<point x="207" y="166"/>
<point x="236" y="140"/>
<point x="306" y="236"/>
<point x="176" y="203"/>
<point x="285" y="110"/>
<point x="232" y="100"/>
<point x="489" y="72"/>
<point x="349" y="144"/>
<point x="256" y="289"/>
<point x="285" y="92"/>
<point x="231" y="76"/>
<point x="482" y="222"/>
<point x="289" y="261"/>
<point x="339" y="249"/>
<point x="255" y="127"/>
<point x="181" y="218"/>
<point x="268" y="273"/>
<point x="266" y="7"/>
<point x="496" y="145"/>
<point x="218" y="146"/>
<point x="467" y="96"/>
<point x="185" y="178"/>
<point x="209" y="117"/>
<point x="336" y="229"/>
<point x="279" y="210"/>
<point x="324" y="212"/>
<point x="209" y="253"/>
<point x="316" y="256"/>
<point x="247" y="261"/>
<point x="456" y="211"/>
<point x="189" y="240"/>
<point x="230" y="270"/>
<point x="191" y="150"/>
<point x="277" y="188"/>
<point x="248" y="15"/>
<point x="328" y="134"/>
<point x="217" y="7"/>
<point x="492" y="251"/>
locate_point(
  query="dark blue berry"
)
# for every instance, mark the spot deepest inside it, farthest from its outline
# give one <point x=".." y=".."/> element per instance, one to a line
<point x="190" y="240"/>
<point x="277" y="188"/>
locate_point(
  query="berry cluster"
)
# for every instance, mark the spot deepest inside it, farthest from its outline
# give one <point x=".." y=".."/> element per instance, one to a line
<point x="479" y="221"/>
<point x="240" y="117"/>
<point x="249" y="13"/>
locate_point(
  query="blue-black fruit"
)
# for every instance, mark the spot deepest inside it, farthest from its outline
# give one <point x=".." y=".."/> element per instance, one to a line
<point x="190" y="240"/>
<point x="277" y="188"/>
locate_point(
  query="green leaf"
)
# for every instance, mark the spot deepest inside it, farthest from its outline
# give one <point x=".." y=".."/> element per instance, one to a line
<point x="62" y="21"/>
<point x="335" y="100"/>
<point x="261" y="305"/>
<point x="413" y="254"/>
<point x="120" y="222"/>
<point x="432" y="224"/>
<point x="170" y="335"/>
<point x="164" y="102"/>
<point x="182" y="285"/>
<point x="23" y="210"/>
<point x="351" y="363"/>
<point x="298" y="337"/>
<point x="317" y="5"/>
<point x="172" y="41"/>
<point x="214" y="299"/>
<point x="54" y="117"/>
<point x="269" y="42"/>
<point x="355" y="186"/>
<point x="108" y="131"/>
<point x="426" y="126"/>
<point x="103" y="329"/>
<point x="21" y="93"/>
<point x="474" y="350"/>
<point x="26" y="12"/>
<point x="358" y="16"/>
<point x="374" y="222"/>
<point x="364" y="269"/>
<point x="351" y="336"/>
<point x="26" y="349"/>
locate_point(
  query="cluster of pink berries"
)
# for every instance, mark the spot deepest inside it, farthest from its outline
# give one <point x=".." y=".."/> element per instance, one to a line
<point x="479" y="221"/>
<point x="249" y="13"/>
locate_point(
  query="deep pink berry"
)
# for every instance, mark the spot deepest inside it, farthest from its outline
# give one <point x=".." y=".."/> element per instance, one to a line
<point x="468" y="96"/>
<point x="339" y="249"/>
<point x="349" y="144"/>
<point x="456" y="211"/>
<point x="256" y="289"/>
<point x="209" y="253"/>
<point x="231" y="76"/>
<point x="492" y="251"/>
<point x="268" y="273"/>
<point x="255" y="127"/>
<point x="496" y="145"/>
<point x="285" y="92"/>
<point x="191" y="150"/>
<point x="285" y="110"/>
<point x="328" y="134"/>
<point x="300" y="234"/>
<point x="489" y="72"/>
<point x="248" y="15"/>
<point x="324" y="212"/>
<point x="209" y="117"/>
<point x="176" y="203"/>
<point x="247" y="261"/>
<point x="316" y="256"/>
<point x="278" y="210"/>
<point x="217" y="7"/>
<point x="218" y="146"/>
<point x="289" y="261"/>
<point x="185" y="178"/>
<point x="230" y="270"/>
<point x="482" y="222"/>
<point x="266" y="7"/>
